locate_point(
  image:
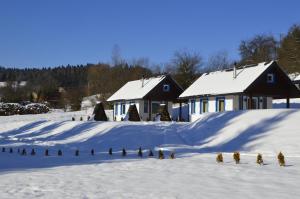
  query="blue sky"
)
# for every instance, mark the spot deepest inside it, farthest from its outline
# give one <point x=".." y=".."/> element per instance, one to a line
<point x="36" y="33"/>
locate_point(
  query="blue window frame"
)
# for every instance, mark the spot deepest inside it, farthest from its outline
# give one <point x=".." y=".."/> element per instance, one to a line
<point x="271" y="78"/>
<point x="166" y="87"/>
<point x="193" y="106"/>
<point x="220" y="104"/>
<point x="123" y="106"/>
<point x="203" y="105"/>
<point x="116" y="108"/>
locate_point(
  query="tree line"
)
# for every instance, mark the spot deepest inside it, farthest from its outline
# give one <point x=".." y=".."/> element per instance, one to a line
<point x="67" y="85"/>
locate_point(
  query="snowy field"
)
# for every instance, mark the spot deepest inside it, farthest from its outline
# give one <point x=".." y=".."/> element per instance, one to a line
<point x="193" y="174"/>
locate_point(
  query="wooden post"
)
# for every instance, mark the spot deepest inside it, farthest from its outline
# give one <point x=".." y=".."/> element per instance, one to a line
<point x="250" y="102"/>
<point x="180" y="111"/>
<point x="150" y="109"/>
<point x="287" y="102"/>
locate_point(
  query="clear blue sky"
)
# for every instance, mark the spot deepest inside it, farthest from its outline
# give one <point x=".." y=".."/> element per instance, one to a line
<point x="58" y="32"/>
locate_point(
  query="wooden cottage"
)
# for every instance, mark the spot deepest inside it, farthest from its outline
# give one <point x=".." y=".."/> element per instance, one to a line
<point x="147" y="94"/>
<point x="246" y="87"/>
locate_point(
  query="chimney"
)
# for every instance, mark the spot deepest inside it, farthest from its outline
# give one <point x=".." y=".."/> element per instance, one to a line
<point x="143" y="79"/>
<point x="234" y="70"/>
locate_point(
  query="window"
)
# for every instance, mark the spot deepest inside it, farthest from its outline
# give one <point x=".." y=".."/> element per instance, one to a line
<point x="193" y="106"/>
<point x="123" y="108"/>
<point x="146" y="108"/>
<point x="203" y="105"/>
<point x="166" y="87"/>
<point x="270" y="78"/>
<point x="116" y="109"/>
<point x="220" y="104"/>
<point x="155" y="107"/>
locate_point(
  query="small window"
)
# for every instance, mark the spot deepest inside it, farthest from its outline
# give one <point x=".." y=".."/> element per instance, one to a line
<point x="146" y="107"/>
<point x="193" y="106"/>
<point x="123" y="108"/>
<point x="204" y="105"/>
<point x="155" y="107"/>
<point x="270" y="78"/>
<point x="220" y="104"/>
<point x="166" y="87"/>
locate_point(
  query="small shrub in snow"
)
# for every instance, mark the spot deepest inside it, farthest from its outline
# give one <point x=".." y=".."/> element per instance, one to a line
<point x="81" y="118"/>
<point x="59" y="153"/>
<point x="172" y="155"/>
<point x="32" y="152"/>
<point x="92" y="152"/>
<point x="10" y="150"/>
<point x="150" y="153"/>
<point x="19" y="151"/>
<point x="73" y="118"/>
<point x="236" y="157"/>
<point x="140" y="152"/>
<point x="259" y="159"/>
<point x="3" y="149"/>
<point x="77" y="152"/>
<point x="110" y="151"/>
<point x="46" y="152"/>
<point x="24" y="152"/>
<point x="124" y="153"/>
<point x="219" y="158"/>
<point x="161" y="154"/>
<point x="281" y="160"/>
<point x="88" y="118"/>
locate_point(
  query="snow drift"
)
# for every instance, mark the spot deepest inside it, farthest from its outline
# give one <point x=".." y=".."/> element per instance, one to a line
<point x="265" y="131"/>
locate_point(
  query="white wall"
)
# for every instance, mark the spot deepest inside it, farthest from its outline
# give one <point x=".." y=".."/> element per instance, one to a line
<point x="231" y="104"/>
<point x="140" y="108"/>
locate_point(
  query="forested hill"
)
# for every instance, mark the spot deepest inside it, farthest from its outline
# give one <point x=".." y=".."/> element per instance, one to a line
<point x="77" y="82"/>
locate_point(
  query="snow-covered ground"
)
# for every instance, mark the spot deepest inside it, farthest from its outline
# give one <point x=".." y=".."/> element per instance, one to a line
<point x="193" y="174"/>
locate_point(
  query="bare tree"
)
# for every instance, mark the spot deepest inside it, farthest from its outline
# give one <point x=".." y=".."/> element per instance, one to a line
<point x="116" y="56"/>
<point x="218" y="61"/>
<point x="258" y="49"/>
<point x="187" y="65"/>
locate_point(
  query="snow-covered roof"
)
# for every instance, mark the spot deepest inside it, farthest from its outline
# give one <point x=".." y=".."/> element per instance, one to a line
<point x="297" y="78"/>
<point x="223" y="82"/>
<point x="136" y="89"/>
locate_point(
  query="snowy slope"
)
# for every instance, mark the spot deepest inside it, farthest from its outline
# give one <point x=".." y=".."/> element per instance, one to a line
<point x="194" y="174"/>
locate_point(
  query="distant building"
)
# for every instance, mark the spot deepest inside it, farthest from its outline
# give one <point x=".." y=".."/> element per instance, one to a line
<point x="147" y="94"/>
<point x="247" y="87"/>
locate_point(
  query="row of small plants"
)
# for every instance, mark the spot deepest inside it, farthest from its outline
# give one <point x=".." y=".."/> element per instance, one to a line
<point x="259" y="158"/>
<point x="219" y="158"/>
<point x="140" y="153"/>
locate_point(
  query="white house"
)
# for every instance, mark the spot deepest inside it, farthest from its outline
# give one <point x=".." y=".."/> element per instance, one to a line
<point x="246" y="87"/>
<point x="147" y="94"/>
